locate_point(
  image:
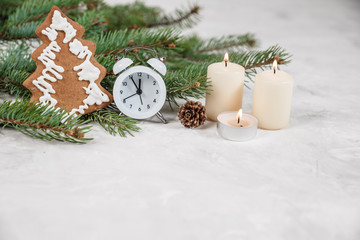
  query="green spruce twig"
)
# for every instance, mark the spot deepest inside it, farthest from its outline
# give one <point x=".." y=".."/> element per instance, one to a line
<point x="130" y="16"/>
<point x="111" y="43"/>
<point x="114" y="123"/>
<point x="229" y="43"/>
<point x="255" y="61"/>
<point x="15" y="66"/>
<point x="183" y="18"/>
<point x="137" y="15"/>
<point x="23" y="21"/>
<point x="186" y="83"/>
<point x="40" y="121"/>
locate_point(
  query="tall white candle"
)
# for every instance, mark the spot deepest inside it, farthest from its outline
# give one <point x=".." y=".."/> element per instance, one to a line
<point x="272" y="98"/>
<point x="226" y="90"/>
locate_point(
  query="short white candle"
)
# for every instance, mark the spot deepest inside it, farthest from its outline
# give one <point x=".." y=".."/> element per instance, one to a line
<point x="273" y="91"/>
<point x="226" y="90"/>
<point x="237" y="126"/>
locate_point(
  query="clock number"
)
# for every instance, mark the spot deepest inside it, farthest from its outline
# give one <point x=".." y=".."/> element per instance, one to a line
<point x="124" y="83"/>
<point x="154" y="100"/>
<point x="157" y="91"/>
<point x="148" y="76"/>
<point x="121" y="91"/>
<point x="148" y="106"/>
<point x="139" y="109"/>
<point x="154" y="82"/>
<point x="130" y="105"/>
<point x="139" y="74"/>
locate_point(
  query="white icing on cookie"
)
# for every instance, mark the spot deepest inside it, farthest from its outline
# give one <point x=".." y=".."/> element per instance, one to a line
<point x="47" y="57"/>
<point x="51" y="33"/>
<point x="87" y="72"/>
<point x="59" y="23"/>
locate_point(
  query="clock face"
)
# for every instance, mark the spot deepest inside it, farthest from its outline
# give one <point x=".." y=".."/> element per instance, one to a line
<point x="139" y="92"/>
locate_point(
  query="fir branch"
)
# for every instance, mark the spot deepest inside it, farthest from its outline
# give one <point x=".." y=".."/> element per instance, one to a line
<point x="194" y="85"/>
<point x="93" y="22"/>
<point x="15" y="67"/>
<point x="14" y="85"/>
<point x="114" y="123"/>
<point x="22" y="32"/>
<point x="186" y="83"/>
<point x="137" y="15"/>
<point x="43" y="122"/>
<point x="227" y="43"/>
<point x="22" y="23"/>
<point x="111" y="43"/>
<point x="181" y="18"/>
<point x="195" y="49"/>
<point x="254" y="61"/>
<point x="133" y="15"/>
<point x="35" y="10"/>
<point x="7" y="7"/>
<point x="108" y="82"/>
<point x="44" y="14"/>
<point x="107" y="61"/>
<point x="280" y="60"/>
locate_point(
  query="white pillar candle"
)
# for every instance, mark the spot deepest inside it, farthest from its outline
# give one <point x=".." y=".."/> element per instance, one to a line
<point x="226" y="90"/>
<point x="272" y="98"/>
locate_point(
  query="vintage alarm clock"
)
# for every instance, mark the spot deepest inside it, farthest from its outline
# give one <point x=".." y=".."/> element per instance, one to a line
<point x="139" y="91"/>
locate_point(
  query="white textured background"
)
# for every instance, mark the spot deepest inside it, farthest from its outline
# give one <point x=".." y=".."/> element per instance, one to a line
<point x="172" y="183"/>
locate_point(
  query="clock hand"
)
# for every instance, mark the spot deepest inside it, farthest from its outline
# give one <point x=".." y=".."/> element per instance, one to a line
<point x="129" y="96"/>
<point x="140" y="91"/>
<point x="141" y="100"/>
<point x="132" y="79"/>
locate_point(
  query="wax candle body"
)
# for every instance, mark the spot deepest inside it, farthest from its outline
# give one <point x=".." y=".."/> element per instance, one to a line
<point x="272" y="99"/>
<point x="226" y="88"/>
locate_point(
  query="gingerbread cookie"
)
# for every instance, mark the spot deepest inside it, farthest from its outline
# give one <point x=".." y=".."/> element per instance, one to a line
<point x="67" y="74"/>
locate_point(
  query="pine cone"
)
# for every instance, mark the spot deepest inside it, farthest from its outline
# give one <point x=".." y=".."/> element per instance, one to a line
<point x="192" y="114"/>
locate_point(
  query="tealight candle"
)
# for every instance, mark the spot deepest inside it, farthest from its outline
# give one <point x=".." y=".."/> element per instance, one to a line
<point x="237" y="126"/>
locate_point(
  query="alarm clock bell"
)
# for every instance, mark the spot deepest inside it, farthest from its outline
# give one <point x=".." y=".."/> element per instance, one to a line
<point x="157" y="65"/>
<point x="122" y="64"/>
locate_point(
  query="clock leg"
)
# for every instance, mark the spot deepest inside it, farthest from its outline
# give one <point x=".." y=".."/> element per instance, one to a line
<point x="161" y="117"/>
<point x="113" y="107"/>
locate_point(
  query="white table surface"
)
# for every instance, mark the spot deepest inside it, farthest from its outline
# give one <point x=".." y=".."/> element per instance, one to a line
<point x="172" y="183"/>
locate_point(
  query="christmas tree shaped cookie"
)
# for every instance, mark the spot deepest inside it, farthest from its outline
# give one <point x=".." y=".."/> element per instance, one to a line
<point x="67" y="74"/>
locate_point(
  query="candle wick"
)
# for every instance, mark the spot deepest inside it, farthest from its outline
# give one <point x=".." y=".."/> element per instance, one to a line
<point x="238" y="120"/>
<point x="225" y="63"/>
<point x="274" y="70"/>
